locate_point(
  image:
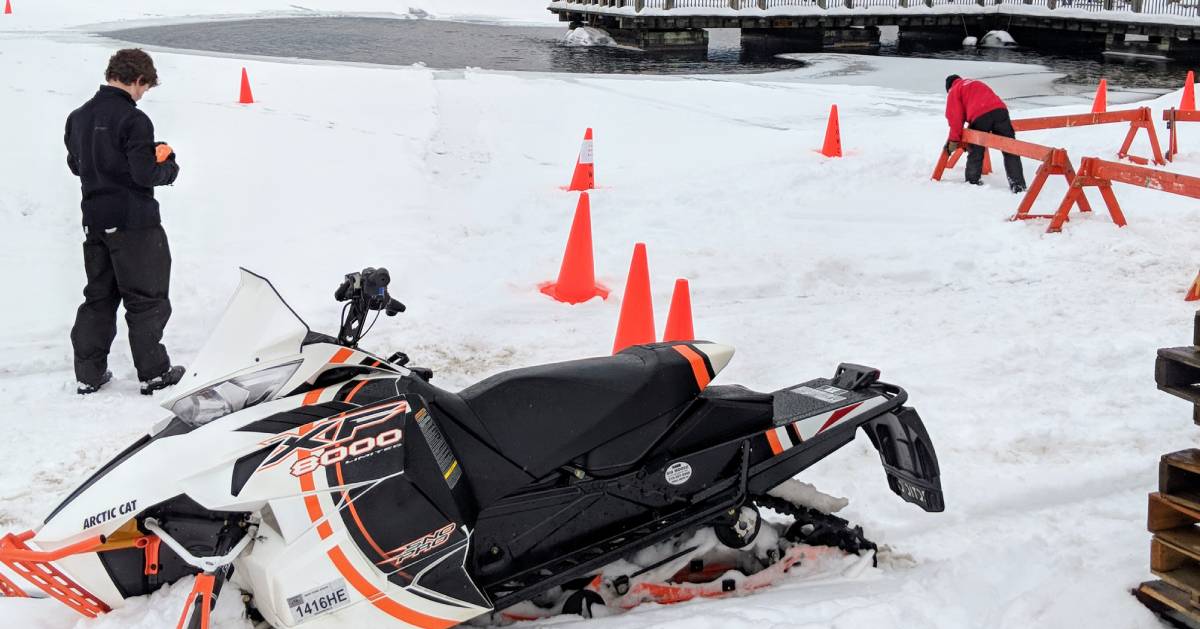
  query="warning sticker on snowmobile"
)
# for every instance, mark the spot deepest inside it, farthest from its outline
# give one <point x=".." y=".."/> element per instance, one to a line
<point x="319" y="601"/>
<point x="825" y="394"/>
<point x="441" y="450"/>
<point x="678" y="473"/>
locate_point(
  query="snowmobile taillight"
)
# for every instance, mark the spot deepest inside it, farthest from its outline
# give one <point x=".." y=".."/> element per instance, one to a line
<point x="35" y="567"/>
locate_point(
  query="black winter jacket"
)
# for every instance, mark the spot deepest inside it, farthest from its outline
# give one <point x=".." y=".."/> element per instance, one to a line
<point x="110" y="147"/>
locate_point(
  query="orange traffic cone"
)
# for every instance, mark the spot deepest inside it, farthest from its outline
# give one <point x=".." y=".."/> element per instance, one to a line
<point x="577" y="276"/>
<point x="585" y="171"/>
<point x="636" y="323"/>
<point x="679" y="318"/>
<point x="8" y="8"/>
<point x="987" y="162"/>
<point x="1100" y="103"/>
<point x="1193" y="293"/>
<point x="1188" y="102"/>
<point x="833" y="136"/>
<point x="246" y="97"/>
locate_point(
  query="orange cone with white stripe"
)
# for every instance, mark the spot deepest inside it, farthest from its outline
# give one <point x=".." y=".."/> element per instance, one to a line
<point x="1193" y="293"/>
<point x="246" y="97"/>
<point x="1100" y="103"/>
<point x="585" y="170"/>
<point x="679" y="317"/>
<point x="8" y="8"/>
<point x="577" y="276"/>
<point x="636" y="323"/>
<point x="833" y="135"/>
<point x="1188" y="101"/>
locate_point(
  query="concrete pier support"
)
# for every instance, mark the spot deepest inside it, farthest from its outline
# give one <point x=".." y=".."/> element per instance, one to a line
<point x="683" y="40"/>
<point x="774" y="41"/>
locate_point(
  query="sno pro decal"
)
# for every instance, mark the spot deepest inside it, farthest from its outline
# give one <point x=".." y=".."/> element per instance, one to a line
<point x="319" y="601"/>
<point x="110" y="514"/>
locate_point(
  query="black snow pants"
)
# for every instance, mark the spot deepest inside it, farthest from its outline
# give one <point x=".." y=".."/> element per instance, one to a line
<point x="995" y="121"/>
<point x="131" y="266"/>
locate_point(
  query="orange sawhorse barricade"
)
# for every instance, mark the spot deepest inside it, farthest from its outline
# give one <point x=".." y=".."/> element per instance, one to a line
<point x="1174" y="117"/>
<point x="1055" y="161"/>
<point x="1137" y="118"/>
<point x="1101" y="174"/>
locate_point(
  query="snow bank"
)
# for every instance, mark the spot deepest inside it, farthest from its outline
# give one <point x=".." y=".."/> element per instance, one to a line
<point x="585" y="36"/>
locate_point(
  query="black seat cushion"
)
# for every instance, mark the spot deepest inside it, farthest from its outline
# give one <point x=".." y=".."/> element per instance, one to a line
<point x="543" y="417"/>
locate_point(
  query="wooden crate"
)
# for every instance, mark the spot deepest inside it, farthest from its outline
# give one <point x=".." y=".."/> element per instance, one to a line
<point x="1179" y="478"/>
<point x="1169" y="602"/>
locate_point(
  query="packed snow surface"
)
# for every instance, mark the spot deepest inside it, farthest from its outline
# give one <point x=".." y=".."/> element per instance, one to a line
<point x="1030" y="356"/>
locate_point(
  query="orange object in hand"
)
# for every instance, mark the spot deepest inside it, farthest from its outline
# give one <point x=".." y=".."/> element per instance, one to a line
<point x="162" y="152"/>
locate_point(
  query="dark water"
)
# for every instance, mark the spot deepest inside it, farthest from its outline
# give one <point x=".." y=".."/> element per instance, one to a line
<point x="456" y="45"/>
<point x="443" y="45"/>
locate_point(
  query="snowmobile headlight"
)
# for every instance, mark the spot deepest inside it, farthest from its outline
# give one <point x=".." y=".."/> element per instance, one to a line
<point x="233" y="395"/>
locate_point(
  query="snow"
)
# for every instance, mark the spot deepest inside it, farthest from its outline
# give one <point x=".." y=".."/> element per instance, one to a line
<point x="1176" y="13"/>
<point x="587" y="36"/>
<point x="1029" y="356"/>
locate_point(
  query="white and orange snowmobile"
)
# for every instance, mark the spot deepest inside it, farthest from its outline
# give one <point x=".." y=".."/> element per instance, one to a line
<point x="333" y="487"/>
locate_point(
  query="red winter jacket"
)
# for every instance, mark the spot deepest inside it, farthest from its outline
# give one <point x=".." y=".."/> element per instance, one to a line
<point x="969" y="99"/>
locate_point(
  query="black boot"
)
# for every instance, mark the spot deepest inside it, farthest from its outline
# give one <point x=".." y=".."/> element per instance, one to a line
<point x="83" y="388"/>
<point x="168" y="378"/>
<point x="1017" y="188"/>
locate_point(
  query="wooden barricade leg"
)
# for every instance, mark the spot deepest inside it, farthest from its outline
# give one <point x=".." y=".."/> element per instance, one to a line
<point x="1069" y="172"/>
<point x="1074" y="195"/>
<point x="958" y="153"/>
<point x="942" y="165"/>
<point x="1031" y="194"/>
<point x="1144" y="121"/>
<point x="1110" y="200"/>
<point x="1173" y="140"/>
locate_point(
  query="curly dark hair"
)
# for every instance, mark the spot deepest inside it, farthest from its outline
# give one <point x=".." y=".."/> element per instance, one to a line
<point x="132" y="66"/>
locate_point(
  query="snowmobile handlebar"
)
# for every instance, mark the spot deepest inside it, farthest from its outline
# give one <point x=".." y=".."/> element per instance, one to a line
<point x="370" y="286"/>
<point x="363" y="292"/>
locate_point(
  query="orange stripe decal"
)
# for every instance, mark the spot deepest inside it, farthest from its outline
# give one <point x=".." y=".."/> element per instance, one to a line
<point x="311" y="397"/>
<point x="341" y="356"/>
<point x="350" y="396"/>
<point x="364" y="587"/>
<point x="773" y="438"/>
<point x="697" y="361"/>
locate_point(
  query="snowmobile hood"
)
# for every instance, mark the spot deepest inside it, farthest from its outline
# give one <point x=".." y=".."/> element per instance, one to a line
<point x="258" y="326"/>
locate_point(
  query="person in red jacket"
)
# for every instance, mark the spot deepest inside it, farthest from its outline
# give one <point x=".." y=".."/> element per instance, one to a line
<point x="973" y="103"/>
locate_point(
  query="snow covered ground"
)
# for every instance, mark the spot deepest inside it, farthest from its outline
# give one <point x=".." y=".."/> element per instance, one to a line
<point x="1030" y="356"/>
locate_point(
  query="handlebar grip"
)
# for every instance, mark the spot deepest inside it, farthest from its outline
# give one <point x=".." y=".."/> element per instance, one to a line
<point x="394" y="307"/>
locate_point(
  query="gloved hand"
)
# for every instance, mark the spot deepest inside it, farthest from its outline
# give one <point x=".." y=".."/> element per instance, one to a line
<point x="951" y="147"/>
<point x="163" y="152"/>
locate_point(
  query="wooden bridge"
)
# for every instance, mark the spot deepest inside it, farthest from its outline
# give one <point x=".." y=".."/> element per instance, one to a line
<point x="1168" y="28"/>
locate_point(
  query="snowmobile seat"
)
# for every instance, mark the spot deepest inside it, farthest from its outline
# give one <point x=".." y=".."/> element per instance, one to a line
<point x="543" y="417"/>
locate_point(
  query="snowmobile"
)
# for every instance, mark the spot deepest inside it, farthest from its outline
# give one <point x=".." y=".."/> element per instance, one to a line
<point x="333" y="487"/>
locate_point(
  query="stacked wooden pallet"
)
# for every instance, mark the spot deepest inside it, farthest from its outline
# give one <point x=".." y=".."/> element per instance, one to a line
<point x="1174" y="511"/>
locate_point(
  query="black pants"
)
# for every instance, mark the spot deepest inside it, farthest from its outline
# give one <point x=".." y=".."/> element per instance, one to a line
<point x="995" y="121"/>
<point x="133" y="266"/>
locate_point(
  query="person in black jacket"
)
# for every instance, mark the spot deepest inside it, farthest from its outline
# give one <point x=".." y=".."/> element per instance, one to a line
<point x="111" y="148"/>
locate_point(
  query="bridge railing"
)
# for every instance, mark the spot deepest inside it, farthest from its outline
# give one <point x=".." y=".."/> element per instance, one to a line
<point x="1180" y="8"/>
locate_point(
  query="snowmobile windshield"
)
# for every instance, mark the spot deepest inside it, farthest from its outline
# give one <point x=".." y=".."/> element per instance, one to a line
<point x="258" y="326"/>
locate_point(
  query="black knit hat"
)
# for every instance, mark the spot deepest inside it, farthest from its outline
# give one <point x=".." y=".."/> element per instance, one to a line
<point x="950" y="81"/>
